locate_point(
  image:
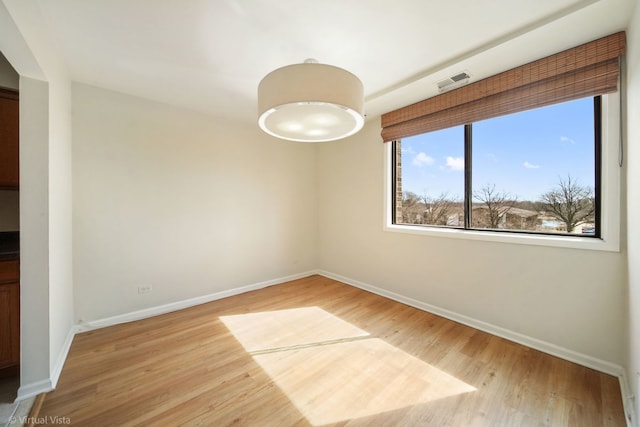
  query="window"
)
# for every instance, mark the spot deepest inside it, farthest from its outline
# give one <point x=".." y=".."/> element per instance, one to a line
<point x="495" y="181"/>
<point x="536" y="171"/>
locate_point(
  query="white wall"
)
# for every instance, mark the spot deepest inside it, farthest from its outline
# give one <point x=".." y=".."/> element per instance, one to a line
<point x="45" y="194"/>
<point x="632" y="351"/>
<point x="566" y="297"/>
<point x="181" y="201"/>
<point x="34" y="234"/>
<point x="61" y="309"/>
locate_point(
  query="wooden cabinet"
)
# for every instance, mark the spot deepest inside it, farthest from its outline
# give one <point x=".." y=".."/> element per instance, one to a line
<point x="9" y="131"/>
<point x="9" y="315"/>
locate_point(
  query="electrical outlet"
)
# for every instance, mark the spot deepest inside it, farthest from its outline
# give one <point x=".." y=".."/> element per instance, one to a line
<point x="144" y="289"/>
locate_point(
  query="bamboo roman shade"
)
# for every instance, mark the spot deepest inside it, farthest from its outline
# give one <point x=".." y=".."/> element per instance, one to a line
<point x="587" y="70"/>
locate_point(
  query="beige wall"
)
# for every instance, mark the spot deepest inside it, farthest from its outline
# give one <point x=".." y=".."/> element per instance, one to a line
<point x="632" y="351"/>
<point x="565" y="297"/>
<point x="193" y="205"/>
<point x="187" y="203"/>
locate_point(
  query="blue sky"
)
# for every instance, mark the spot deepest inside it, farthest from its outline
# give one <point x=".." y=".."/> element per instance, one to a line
<point x="523" y="154"/>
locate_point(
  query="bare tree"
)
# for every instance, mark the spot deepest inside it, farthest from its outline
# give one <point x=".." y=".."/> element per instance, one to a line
<point x="437" y="209"/>
<point x="496" y="203"/>
<point x="411" y="208"/>
<point x="570" y="202"/>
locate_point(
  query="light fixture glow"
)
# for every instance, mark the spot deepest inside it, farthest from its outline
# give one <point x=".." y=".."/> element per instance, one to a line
<point x="310" y="102"/>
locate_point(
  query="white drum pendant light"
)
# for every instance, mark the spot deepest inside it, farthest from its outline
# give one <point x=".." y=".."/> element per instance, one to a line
<point x="310" y="102"/>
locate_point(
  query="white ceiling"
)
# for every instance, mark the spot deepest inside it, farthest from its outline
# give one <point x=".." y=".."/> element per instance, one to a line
<point x="210" y="55"/>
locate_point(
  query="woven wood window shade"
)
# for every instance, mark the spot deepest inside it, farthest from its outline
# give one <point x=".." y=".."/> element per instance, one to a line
<point x="587" y="70"/>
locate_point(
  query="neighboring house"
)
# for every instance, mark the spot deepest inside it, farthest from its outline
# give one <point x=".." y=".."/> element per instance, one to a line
<point x="509" y="217"/>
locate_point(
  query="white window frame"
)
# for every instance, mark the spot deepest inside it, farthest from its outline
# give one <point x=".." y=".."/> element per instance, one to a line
<point x="610" y="199"/>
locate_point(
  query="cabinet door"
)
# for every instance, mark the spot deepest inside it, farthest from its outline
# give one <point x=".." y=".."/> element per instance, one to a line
<point x="9" y="324"/>
<point x="9" y="125"/>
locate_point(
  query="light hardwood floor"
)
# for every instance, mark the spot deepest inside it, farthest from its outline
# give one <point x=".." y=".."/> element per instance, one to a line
<point x="316" y="352"/>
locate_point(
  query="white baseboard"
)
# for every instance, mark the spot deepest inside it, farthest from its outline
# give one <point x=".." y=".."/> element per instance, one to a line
<point x="546" y="347"/>
<point x="62" y="357"/>
<point x="627" y="401"/>
<point x="179" y="305"/>
<point x="26" y="391"/>
<point x="29" y="390"/>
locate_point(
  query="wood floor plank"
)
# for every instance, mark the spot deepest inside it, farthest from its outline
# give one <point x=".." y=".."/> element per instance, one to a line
<point x="325" y="354"/>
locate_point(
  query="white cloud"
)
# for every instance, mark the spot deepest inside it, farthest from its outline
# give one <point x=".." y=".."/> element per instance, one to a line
<point x="421" y="159"/>
<point x="567" y="139"/>
<point x="455" y="163"/>
<point x="530" y="165"/>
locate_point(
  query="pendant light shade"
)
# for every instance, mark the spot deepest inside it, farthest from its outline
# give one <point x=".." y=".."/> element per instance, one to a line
<point x="310" y="102"/>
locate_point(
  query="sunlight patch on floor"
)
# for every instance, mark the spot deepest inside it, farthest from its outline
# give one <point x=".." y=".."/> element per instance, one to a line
<point x="332" y="371"/>
<point x="287" y="328"/>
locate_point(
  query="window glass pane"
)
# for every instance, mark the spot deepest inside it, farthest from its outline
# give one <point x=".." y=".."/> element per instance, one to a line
<point x="431" y="179"/>
<point x="535" y="170"/>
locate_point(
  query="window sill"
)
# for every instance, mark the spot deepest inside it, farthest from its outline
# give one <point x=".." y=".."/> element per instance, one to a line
<point x="573" y="242"/>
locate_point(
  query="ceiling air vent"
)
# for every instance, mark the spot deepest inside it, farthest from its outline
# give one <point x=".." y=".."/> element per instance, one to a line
<point x="453" y="82"/>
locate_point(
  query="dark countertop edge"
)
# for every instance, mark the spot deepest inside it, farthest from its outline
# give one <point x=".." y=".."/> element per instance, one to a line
<point x="8" y="256"/>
